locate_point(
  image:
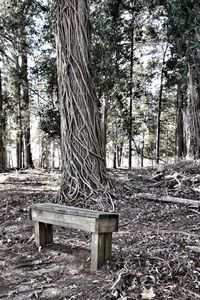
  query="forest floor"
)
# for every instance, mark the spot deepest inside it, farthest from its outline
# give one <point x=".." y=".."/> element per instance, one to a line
<point x="156" y="253"/>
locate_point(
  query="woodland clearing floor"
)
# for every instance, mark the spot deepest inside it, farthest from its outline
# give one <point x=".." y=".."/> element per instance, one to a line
<point x="156" y="253"/>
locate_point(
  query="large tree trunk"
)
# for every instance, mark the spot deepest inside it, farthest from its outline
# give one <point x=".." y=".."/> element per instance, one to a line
<point x="2" y="130"/>
<point x="193" y="111"/>
<point x="83" y="167"/>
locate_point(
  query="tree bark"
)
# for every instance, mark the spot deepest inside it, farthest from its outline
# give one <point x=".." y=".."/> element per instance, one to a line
<point x="104" y="126"/>
<point x="193" y="111"/>
<point x="119" y="154"/>
<point x="131" y="101"/>
<point x="52" y="155"/>
<point x="142" y="151"/>
<point x="115" y="158"/>
<point x="179" y="123"/>
<point x="26" y="103"/>
<point x="2" y="130"/>
<point x="19" y="129"/>
<point x="83" y="162"/>
<point x="160" y="108"/>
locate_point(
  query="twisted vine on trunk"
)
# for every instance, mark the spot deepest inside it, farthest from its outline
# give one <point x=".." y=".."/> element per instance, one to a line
<point x="83" y="167"/>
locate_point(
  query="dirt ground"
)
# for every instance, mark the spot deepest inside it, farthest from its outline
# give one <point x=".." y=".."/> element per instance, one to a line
<point x="156" y="253"/>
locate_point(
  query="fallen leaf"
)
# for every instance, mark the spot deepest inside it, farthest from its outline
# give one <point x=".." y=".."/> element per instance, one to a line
<point x="148" y="293"/>
<point x="95" y="281"/>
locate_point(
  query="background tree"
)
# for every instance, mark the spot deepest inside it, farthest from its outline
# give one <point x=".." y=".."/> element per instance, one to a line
<point x="3" y="162"/>
<point x="183" y="31"/>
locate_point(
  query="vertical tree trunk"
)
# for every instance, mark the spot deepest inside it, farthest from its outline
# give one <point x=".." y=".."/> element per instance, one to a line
<point x="160" y="108"/>
<point x="104" y="126"/>
<point x="19" y="145"/>
<point x="52" y="155"/>
<point x="115" y="158"/>
<point x="115" y="145"/>
<point x="83" y="163"/>
<point x="26" y="104"/>
<point x="119" y="154"/>
<point x="142" y="151"/>
<point x="193" y="111"/>
<point x="2" y="130"/>
<point x="131" y="101"/>
<point x="19" y="130"/>
<point x="42" y="151"/>
<point x="179" y="123"/>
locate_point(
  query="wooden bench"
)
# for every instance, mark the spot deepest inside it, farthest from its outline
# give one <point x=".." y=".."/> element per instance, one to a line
<point x="100" y="224"/>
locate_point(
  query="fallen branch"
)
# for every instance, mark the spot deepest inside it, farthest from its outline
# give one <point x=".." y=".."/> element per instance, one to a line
<point x="196" y="212"/>
<point x="134" y="176"/>
<point x="158" y="176"/>
<point x="191" y="293"/>
<point x="194" y="248"/>
<point x="124" y="278"/>
<point x="27" y="265"/>
<point x="179" y="232"/>
<point x="17" y="292"/>
<point x="151" y="197"/>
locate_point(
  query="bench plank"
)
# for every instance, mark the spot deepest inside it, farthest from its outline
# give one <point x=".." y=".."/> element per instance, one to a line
<point x="74" y="217"/>
<point x="76" y="211"/>
<point x="54" y="218"/>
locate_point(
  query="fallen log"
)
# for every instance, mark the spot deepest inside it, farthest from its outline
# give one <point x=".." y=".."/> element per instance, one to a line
<point x="158" y="176"/>
<point x="134" y="176"/>
<point x="151" y="197"/>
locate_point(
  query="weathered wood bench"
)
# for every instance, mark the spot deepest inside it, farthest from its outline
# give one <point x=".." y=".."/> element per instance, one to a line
<point x="100" y="224"/>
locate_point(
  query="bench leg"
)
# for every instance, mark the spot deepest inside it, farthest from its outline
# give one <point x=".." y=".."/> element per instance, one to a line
<point x="100" y="249"/>
<point x="43" y="234"/>
<point x="108" y="245"/>
<point x="49" y="234"/>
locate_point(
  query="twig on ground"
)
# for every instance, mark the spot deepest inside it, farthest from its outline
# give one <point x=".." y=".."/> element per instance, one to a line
<point x="191" y="293"/>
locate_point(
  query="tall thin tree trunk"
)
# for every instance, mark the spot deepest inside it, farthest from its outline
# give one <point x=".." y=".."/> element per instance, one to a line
<point x="193" y="111"/>
<point x="160" y="108"/>
<point x="179" y="123"/>
<point x="104" y="126"/>
<point x="19" y="147"/>
<point x="26" y="104"/>
<point x="115" y="158"/>
<point x="142" y="151"/>
<point x="52" y="155"/>
<point x="119" y="154"/>
<point x="19" y="142"/>
<point x="131" y="100"/>
<point x="2" y="130"/>
<point x="19" y="130"/>
<point x="83" y="161"/>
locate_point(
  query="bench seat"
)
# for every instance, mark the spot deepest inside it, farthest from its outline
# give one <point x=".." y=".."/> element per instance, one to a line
<point x="100" y="224"/>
